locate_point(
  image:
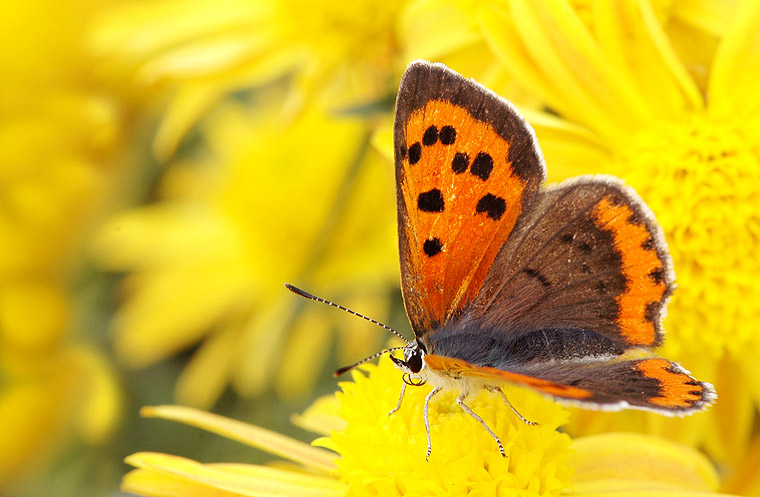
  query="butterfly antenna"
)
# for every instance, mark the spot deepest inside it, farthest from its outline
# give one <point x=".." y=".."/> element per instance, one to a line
<point x="309" y="296"/>
<point x="344" y="369"/>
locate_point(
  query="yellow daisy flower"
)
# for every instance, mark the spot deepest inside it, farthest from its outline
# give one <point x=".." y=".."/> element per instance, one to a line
<point x="61" y="130"/>
<point x="268" y="204"/>
<point x="344" y="53"/>
<point x="374" y="453"/>
<point x="627" y="98"/>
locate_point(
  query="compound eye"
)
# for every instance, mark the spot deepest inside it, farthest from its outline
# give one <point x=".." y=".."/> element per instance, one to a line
<point x="415" y="362"/>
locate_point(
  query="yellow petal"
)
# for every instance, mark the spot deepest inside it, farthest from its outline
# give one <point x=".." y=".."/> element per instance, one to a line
<point x="172" y="311"/>
<point x="382" y="141"/>
<point x="708" y="15"/>
<point x="266" y="440"/>
<point x="190" y="103"/>
<point x="240" y="479"/>
<point x="29" y="424"/>
<point x="616" y="461"/>
<point x="677" y="75"/>
<point x="137" y="30"/>
<point x="508" y="48"/>
<point x="733" y="84"/>
<point x="308" y="344"/>
<point x="321" y="416"/>
<point x="595" y="92"/>
<point x="257" y="358"/>
<point x="745" y="480"/>
<point x="206" y="375"/>
<point x="732" y="417"/>
<point x="22" y="326"/>
<point x="158" y="484"/>
<point x="568" y="149"/>
<point x="99" y="410"/>
<point x="445" y="28"/>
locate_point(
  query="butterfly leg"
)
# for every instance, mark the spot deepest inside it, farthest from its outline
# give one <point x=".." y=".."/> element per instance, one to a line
<point x="427" y="420"/>
<point x="400" y="398"/>
<point x="506" y="400"/>
<point x="466" y="408"/>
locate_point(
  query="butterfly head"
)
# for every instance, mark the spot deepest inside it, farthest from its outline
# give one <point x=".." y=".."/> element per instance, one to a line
<point x="412" y="363"/>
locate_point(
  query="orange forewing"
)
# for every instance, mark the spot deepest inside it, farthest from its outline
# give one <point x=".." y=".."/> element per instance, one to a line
<point x="457" y="368"/>
<point x="470" y="240"/>
<point x="642" y="268"/>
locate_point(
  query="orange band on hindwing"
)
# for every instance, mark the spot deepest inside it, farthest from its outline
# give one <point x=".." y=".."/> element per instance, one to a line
<point x="457" y="368"/>
<point x="639" y="305"/>
<point x="677" y="389"/>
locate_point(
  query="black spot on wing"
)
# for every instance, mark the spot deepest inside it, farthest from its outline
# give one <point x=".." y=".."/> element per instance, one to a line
<point x="585" y="247"/>
<point x="460" y="162"/>
<point x="430" y="137"/>
<point x="635" y="218"/>
<point x="650" y="313"/>
<point x="482" y="166"/>
<point x="448" y="135"/>
<point x="431" y="201"/>
<point x="492" y="205"/>
<point x="657" y="276"/>
<point x="432" y="246"/>
<point x="415" y="153"/>
<point x="535" y="274"/>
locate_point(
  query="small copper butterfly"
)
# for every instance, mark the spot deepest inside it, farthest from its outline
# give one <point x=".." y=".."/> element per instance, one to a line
<point x="505" y="280"/>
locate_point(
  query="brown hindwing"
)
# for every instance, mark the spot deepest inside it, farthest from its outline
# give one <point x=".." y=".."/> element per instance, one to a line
<point x="588" y="254"/>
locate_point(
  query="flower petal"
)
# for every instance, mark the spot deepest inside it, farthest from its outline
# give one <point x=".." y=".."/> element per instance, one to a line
<point x="159" y="484"/>
<point x="569" y="148"/>
<point x="254" y="436"/>
<point x="616" y="461"/>
<point x="240" y="479"/>
<point x="207" y="374"/>
<point x="733" y="84"/>
<point x="564" y="52"/>
<point x="321" y="417"/>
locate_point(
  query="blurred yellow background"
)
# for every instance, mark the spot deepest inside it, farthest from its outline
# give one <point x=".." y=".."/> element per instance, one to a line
<point x="166" y="165"/>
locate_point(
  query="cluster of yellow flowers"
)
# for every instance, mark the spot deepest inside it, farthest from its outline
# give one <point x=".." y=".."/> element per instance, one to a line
<point x="210" y="151"/>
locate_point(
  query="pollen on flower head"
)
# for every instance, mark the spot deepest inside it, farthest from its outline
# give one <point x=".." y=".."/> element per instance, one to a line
<point x="384" y="454"/>
<point x="705" y="170"/>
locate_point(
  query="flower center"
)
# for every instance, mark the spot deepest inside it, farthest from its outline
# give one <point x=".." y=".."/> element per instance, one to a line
<point x="701" y="178"/>
<point x="384" y="454"/>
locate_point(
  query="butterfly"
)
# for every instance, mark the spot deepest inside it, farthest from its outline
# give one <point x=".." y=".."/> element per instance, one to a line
<point x="505" y="280"/>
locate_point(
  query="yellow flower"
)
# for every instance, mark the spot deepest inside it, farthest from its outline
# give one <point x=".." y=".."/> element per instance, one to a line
<point x="268" y="204"/>
<point x="628" y="96"/>
<point x="378" y="454"/>
<point x="343" y="53"/>
<point x="60" y="135"/>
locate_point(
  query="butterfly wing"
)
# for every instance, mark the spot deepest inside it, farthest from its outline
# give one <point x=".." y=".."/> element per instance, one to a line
<point x="579" y="288"/>
<point x="557" y="289"/>
<point x="588" y="254"/>
<point x="652" y="383"/>
<point x="467" y="164"/>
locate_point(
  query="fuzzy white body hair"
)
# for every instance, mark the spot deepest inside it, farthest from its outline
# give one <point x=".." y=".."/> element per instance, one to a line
<point x="456" y="382"/>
